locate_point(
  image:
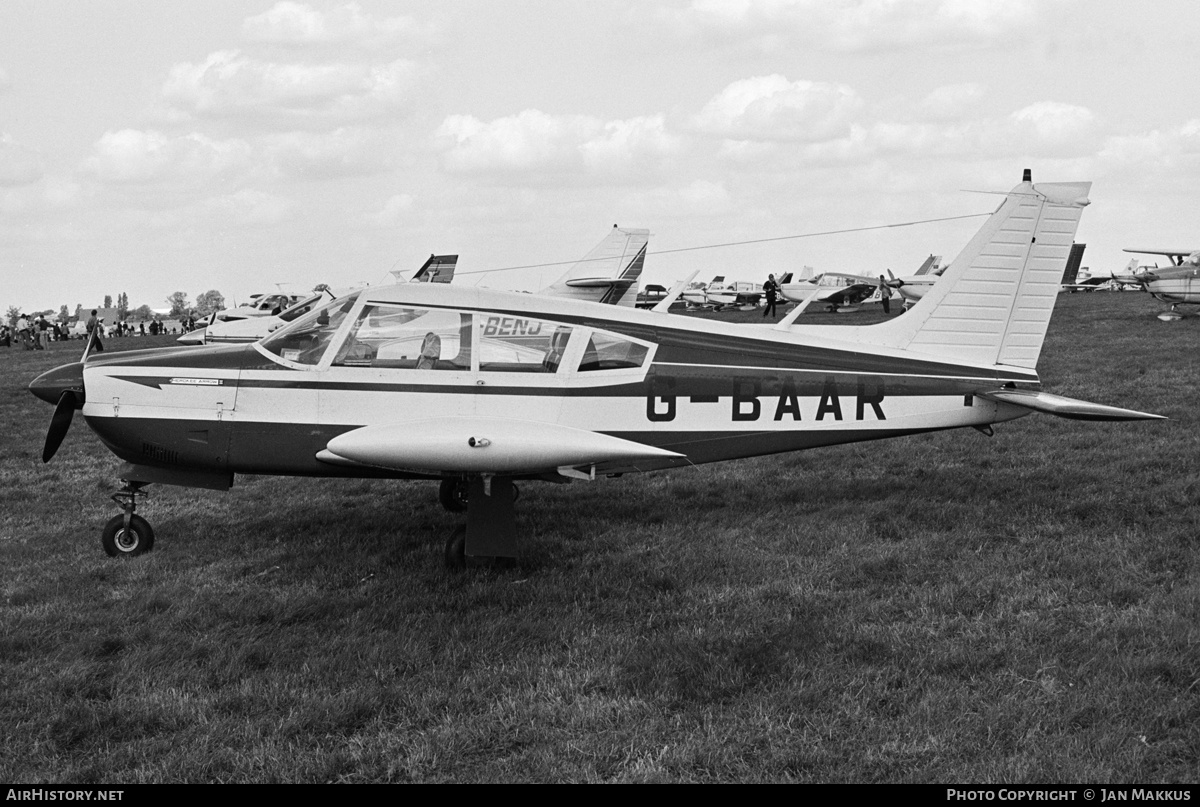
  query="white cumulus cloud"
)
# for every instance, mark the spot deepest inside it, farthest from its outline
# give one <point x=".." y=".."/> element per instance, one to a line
<point x="539" y="145"/>
<point x="518" y="142"/>
<point x="772" y="108"/>
<point x="230" y="83"/>
<point x="133" y="156"/>
<point x="1053" y="127"/>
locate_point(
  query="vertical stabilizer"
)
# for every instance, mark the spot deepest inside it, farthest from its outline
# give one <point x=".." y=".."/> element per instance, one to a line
<point x="993" y="304"/>
<point x="609" y="273"/>
<point x="930" y="265"/>
<point x="438" y="269"/>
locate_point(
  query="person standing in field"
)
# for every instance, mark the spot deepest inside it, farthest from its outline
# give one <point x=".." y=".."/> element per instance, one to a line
<point x="94" y="330"/>
<point x="771" y="290"/>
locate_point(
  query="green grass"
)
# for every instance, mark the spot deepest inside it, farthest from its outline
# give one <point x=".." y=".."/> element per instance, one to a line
<point x="942" y="608"/>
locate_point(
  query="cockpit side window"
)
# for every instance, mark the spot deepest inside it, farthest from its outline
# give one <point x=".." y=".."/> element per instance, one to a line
<point x="607" y="351"/>
<point x="401" y="337"/>
<point x="305" y="340"/>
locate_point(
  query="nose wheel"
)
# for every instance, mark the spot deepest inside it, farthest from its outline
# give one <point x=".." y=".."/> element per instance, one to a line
<point x="127" y="534"/>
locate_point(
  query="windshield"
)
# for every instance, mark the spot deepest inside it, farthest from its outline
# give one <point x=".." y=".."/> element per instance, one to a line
<point x="301" y="308"/>
<point x="305" y="340"/>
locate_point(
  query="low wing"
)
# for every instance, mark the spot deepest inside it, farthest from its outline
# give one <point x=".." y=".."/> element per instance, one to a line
<point x="1059" y="406"/>
<point x="849" y="295"/>
<point x="485" y="445"/>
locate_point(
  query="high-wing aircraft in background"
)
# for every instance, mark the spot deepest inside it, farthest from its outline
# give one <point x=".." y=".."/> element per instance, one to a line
<point x="478" y="388"/>
<point x="1178" y="284"/>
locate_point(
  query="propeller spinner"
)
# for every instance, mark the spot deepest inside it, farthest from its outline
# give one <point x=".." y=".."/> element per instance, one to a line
<point x="63" y="387"/>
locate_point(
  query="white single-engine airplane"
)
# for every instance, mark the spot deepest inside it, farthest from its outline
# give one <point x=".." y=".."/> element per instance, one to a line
<point x="1178" y="284"/>
<point x="839" y="292"/>
<point x="436" y="269"/>
<point x="478" y="388"/>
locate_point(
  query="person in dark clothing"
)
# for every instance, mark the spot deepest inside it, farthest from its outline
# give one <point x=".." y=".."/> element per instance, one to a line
<point x="94" y="329"/>
<point x="771" y="291"/>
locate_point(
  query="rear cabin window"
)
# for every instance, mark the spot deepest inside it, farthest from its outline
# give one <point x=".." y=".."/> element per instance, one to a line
<point x="611" y="352"/>
<point x="408" y="339"/>
<point x="520" y="344"/>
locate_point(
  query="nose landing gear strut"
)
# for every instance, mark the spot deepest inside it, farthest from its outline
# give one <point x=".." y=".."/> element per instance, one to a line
<point x="127" y="534"/>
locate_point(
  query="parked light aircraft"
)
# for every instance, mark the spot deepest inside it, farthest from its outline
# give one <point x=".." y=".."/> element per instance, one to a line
<point x="251" y="329"/>
<point x="721" y="294"/>
<point x="839" y="292"/>
<point x="436" y="269"/>
<point x="605" y="274"/>
<point x="478" y="388"/>
<point x="1077" y="278"/>
<point x="262" y="305"/>
<point x="694" y="293"/>
<point x="651" y="296"/>
<point x="912" y="288"/>
<point x="1178" y="284"/>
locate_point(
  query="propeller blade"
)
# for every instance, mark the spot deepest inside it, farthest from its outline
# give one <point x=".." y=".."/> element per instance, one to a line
<point x="60" y="424"/>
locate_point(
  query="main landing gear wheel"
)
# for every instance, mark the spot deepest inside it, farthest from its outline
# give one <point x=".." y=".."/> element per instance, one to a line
<point x="453" y="495"/>
<point x="121" y="541"/>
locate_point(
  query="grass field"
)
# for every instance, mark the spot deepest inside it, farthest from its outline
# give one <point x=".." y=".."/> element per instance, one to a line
<point x="941" y="608"/>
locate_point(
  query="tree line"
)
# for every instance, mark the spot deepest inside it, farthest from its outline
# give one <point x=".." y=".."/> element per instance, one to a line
<point x="205" y="304"/>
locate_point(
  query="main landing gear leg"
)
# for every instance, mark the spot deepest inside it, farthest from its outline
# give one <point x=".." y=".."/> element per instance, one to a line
<point x="490" y="535"/>
<point x="127" y="534"/>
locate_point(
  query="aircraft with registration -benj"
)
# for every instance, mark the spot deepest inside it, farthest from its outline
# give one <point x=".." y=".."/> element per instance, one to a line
<point x="478" y="388"/>
<point x="1177" y="284"/>
<point x="436" y="269"/>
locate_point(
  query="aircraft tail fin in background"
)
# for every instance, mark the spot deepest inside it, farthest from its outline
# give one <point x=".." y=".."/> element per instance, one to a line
<point x="1071" y="273"/>
<point x="609" y="273"/>
<point x="993" y="305"/>
<point x="931" y="263"/>
<point x="438" y="269"/>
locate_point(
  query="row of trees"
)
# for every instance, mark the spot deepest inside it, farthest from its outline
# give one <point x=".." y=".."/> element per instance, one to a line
<point x="206" y="303"/>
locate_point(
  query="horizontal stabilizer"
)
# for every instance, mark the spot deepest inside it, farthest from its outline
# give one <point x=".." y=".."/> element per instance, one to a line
<point x="481" y="445"/>
<point x="598" y="283"/>
<point x="609" y="273"/>
<point x="1059" y="406"/>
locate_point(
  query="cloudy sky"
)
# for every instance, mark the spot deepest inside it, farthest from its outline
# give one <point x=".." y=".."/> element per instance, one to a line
<point x="149" y="147"/>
